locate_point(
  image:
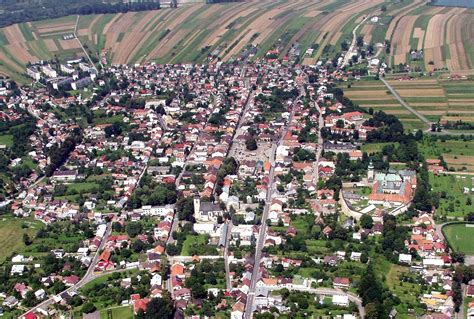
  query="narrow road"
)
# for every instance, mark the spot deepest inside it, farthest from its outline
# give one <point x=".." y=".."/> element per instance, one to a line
<point x="405" y="105"/>
<point x="88" y="277"/>
<point x="82" y="47"/>
<point x="418" y="114"/>
<point x="226" y="257"/>
<point x="351" y="52"/>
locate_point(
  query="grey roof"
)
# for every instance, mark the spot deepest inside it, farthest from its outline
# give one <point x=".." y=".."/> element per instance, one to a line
<point x="210" y="207"/>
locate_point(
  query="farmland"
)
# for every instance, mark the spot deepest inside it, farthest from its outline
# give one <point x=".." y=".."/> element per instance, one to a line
<point x="442" y="35"/>
<point x="460" y="237"/>
<point x="194" y="32"/>
<point x="438" y="98"/>
<point x="458" y="154"/>
<point x="370" y="93"/>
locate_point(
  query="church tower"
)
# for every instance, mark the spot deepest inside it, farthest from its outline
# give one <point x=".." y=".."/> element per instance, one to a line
<point x="197" y="207"/>
<point x="370" y="172"/>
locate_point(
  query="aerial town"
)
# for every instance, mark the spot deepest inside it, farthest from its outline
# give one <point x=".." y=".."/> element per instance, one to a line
<point x="252" y="188"/>
<point x="214" y="190"/>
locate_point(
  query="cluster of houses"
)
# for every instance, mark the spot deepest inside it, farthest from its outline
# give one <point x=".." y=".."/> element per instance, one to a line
<point x="184" y="126"/>
<point x="75" y="74"/>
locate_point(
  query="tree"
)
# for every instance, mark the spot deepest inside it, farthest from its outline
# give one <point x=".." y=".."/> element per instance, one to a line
<point x="185" y="208"/>
<point x="160" y="308"/>
<point x="251" y="144"/>
<point x="366" y="221"/>
<point x="172" y="250"/>
<point x="138" y="246"/>
<point x="303" y="303"/>
<point x="26" y="239"/>
<point x="371" y="311"/>
<point x="88" y="307"/>
<point x="133" y="229"/>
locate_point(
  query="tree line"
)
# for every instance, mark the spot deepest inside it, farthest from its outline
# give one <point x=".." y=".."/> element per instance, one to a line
<point x="18" y="12"/>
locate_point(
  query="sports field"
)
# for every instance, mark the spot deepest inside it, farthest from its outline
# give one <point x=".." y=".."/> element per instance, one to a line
<point x="460" y="237"/>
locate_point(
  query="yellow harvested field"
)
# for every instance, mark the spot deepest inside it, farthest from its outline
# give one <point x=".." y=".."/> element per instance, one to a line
<point x="419" y="34"/>
<point x="370" y="98"/>
<point x="51" y="45"/>
<point x="458" y="159"/>
<point x="69" y="44"/>
<point x="397" y="111"/>
<point x="198" y="31"/>
<point x="421" y="92"/>
<point x="367" y="32"/>
<point x="401" y="38"/>
<point x="440" y="104"/>
<point x="375" y="93"/>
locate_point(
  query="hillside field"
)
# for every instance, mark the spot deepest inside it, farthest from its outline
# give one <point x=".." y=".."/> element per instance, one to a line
<point x="192" y="33"/>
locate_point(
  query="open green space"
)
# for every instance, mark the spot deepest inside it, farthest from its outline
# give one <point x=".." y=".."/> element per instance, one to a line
<point x="6" y="140"/>
<point x="192" y="240"/>
<point x="375" y="147"/>
<point x="460" y="237"/>
<point x="125" y="312"/>
<point x="408" y="292"/>
<point x="453" y="201"/>
<point x="11" y="234"/>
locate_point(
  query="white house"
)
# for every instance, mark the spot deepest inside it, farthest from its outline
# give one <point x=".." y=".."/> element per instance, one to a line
<point x="340" y="300"/>
<point x="405" y="259"/>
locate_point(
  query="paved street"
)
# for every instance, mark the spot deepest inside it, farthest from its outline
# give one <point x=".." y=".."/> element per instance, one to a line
<point x="263" y="227"/>
<point x="88" y="277"/>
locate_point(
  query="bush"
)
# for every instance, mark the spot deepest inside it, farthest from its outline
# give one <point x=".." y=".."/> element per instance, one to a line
<point x="88" y="307"/>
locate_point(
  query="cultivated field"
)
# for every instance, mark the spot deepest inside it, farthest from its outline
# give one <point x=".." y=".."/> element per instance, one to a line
<point x="458" y="154"/>
<point x="460" y="237"/>
<point x="11" y="234"/>
<point x="444" y="35"/>
<point x="454" y="200"/>
<point x="369" y="93"/>
<point x="192" y="33"/>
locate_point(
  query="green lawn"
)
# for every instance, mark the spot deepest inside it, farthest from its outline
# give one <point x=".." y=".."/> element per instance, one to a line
<point x="375" y="147"/>
<point x="450" y="189"/>
<point x="407" y="292"/>
<point x="6" y="140"/>
<point x="82" y="187"/>
<point x="125" y="312"/>
<point x="458" y="154"/>
<point x="460" y="237"/>
<point x="197" y="240"/>
<point x="11" y="234"/>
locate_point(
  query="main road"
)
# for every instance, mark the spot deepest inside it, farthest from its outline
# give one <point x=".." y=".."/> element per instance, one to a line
<point x="263" y="225"/>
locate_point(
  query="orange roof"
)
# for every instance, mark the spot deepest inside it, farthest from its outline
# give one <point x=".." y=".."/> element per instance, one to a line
<point x="105" y="256"/>
<point x="159" y="249"/>
<point x="267" y="166"/>
<point x="270" y="281"/>
<point x="177" y="270"/>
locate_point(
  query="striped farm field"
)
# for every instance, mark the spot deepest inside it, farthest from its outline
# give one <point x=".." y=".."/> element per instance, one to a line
<point x="374" y="94"/>
<point x="198" y="31"/>
<point x="444" y="35"/>
<point x="189" y="33"/>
